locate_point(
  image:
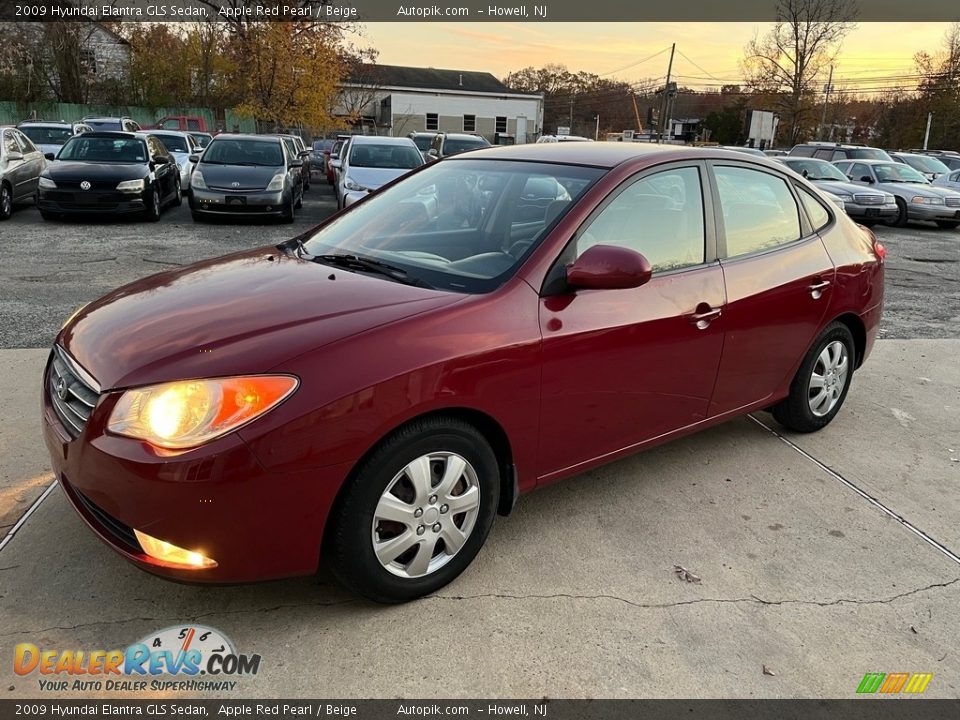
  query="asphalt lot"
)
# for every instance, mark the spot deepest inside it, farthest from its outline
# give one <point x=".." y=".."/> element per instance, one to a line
<point x="805" y="569"/>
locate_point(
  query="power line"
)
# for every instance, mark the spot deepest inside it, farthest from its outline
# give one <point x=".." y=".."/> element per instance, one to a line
<point x="634" y="64"/>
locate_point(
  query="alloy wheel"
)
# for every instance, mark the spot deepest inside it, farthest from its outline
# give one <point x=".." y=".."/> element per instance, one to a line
<point x="426" y="514"/>
<point x="829" y="378"/>
<point x="6" y="202"/>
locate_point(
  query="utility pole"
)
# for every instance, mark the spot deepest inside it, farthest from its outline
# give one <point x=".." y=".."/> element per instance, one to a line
<point x="596" y="134"/>
<point x="926" y="135"/>
<point x="571" y="116"/>
<point x="666" y="90"/>
<point x="827" y="89"/>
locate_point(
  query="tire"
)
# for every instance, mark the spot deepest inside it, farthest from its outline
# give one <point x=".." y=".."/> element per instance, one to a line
<point x="177" y="195"/>
<point x="299" y="203"/>
<point x="948" y="224"/>
<point x="290" y="215"/>
<point x="799" y="411"/>
<point x="6" y="201"/>
<point x="306" y="182"/>
<point x="439" y="445"/>
<point x="152" y="212"/>
<point x="901" y="219"/>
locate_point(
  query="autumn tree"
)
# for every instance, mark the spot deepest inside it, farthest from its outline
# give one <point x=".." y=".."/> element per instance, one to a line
<point x="939" y="89"/>
<point x="790" y="62"/>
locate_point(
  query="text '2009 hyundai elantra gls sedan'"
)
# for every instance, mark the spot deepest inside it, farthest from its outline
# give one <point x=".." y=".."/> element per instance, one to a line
<point x="375" y="391"/>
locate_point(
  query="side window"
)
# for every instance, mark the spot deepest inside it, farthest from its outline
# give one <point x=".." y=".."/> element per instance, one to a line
<point x="10" y="143"/>
<point x="815" y="210"/>
<point x="193" y="124"/>
<point x="824" y="154"/>
<point x="839" y="155"/>
<point x="660" y="216"/>
<point x="759" y="211"/>
<point x="955" y="177"/>
<point x="28" y="147"/>
<point x="858" y="171"/>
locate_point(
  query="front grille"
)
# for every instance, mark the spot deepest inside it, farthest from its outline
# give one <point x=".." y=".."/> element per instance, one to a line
<point x="72" y="397"/>
<point x="120" y="532"/>
<point x="953" y="201"/>
<point x="93" y="199"/>
<point x="867" y="199"/>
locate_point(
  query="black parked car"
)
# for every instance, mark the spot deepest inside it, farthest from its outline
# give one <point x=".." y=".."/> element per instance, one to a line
<point x="109" y="172"/>
<point x="246" y="175"/>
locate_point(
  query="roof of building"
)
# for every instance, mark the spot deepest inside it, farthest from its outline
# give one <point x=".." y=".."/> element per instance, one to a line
<point x="433" y="78"/>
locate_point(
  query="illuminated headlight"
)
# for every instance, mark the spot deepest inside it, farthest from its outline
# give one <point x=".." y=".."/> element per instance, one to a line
<point x="277" y="182"/>
<point x="170" y="554"/>
<point x="351" y="185"/>
<point x="47" y="184"/>
<point x="131" y="185"/>
<point x="923" y="200"/>
<point x="185" y="414"/>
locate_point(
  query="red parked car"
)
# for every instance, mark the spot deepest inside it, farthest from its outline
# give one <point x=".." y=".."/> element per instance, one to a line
<point x="374" y="391"/>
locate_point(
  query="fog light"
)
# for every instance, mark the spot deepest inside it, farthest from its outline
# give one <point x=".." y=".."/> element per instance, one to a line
<point x="269" y="208"/>
<point x="172" y="555"/>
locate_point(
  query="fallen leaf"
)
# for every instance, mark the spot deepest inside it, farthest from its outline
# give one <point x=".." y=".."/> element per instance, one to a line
<point x="768" y="671"/>
<point x="681" y="572"/>
<point x="913" y="630"/>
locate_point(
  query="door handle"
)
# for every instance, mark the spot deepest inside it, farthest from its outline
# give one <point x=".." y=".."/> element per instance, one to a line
<point x="816" y="290"/>
<point x="703" y="319"/>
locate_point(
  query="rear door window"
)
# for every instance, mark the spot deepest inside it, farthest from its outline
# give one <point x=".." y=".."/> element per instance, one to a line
<point x="759" y="211"/>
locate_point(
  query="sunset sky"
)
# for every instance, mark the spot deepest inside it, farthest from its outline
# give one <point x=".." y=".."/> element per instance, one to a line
<point x="871" y="50"/>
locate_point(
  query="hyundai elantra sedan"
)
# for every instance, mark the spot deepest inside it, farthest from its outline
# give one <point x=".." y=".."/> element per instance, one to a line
<point x="372" y="393"/>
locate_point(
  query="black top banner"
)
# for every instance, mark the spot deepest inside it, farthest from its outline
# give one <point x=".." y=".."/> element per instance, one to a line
<point x="452" y="10"/>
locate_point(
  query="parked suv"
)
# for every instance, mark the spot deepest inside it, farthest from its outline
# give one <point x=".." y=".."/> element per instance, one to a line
<point x="124" y="123"/>
<point x="833" y="152"/>
<point x="48" y="135"/>
<point x="446" y="144"/>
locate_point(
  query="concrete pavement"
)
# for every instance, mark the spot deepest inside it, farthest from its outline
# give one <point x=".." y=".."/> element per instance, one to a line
<point x="575" y="594"/>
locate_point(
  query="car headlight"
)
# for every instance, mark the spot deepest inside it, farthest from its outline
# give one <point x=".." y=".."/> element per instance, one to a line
<point x="844" y="196"/>
<point x="184" y="414"/>
<point x="47" y="184"/>
<point x="887" y="198"/>
<point x="277" y="182"/>
<point x="197" y="181"/>
<point x="130" y="185"/>
<point x="923" y="200"/>
<point x="351" y="185"/>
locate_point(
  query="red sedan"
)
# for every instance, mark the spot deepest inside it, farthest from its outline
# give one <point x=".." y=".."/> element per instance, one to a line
<point x="376" y="390"/>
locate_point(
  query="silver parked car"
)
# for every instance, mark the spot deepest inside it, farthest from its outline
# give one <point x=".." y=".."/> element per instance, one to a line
<point x="865" y="205"/>
<point x="927" y="165"/>
<point x="951" y="181"/>
<point x="917" y="198"/>
<point x="180" y="145"/>
<point x="21" y="163"/>
<point x="49" y="136"/>
<point x="371" y="162"/>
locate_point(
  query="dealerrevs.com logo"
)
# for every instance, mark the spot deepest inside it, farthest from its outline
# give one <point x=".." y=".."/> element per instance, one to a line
<point x="178" y="658"/>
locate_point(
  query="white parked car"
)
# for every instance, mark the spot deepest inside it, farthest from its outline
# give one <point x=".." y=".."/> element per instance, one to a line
<point x="49" y="136"/>
<point x="180" y="145"/>
<point x="370" y="162"/>
<point x="20" y="166"/>
<point x="562" y="138"/>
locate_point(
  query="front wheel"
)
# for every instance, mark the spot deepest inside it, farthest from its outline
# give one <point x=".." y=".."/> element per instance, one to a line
<point x="416" y="512"/>
<point x="821" y="384"/>
<point x="6" y="202"/>
<point x="153" y="205"/>
<point x="177" y="194"/>
<point x="901" y="219"/>
<point x="948" y="224"/>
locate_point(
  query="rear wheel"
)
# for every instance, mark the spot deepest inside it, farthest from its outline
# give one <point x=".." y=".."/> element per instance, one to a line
<point x="416" y="513"/>
<point x="948" y="224"/>
<point x="6" y="202"/>
<point x="821" y="384"/>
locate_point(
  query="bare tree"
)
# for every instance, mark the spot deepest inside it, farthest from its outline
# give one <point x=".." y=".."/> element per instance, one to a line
<point x="791" y="60"/>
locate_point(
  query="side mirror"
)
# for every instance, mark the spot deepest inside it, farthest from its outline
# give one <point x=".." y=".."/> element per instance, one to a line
<point x="194" y="159"/>
<point x="15" y="155"/>
<point x="50" y="156"/>
<point x="305" y="153"/>
<point x="607" y="267"/>
<point x="296" y="163"/>
<point x="335" y="163"/>
<point x="866" y="179"/>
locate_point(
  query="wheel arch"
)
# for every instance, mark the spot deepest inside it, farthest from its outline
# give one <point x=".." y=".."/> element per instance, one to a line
<point x="858" y="330"/>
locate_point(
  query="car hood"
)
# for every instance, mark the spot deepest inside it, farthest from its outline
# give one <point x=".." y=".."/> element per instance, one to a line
<point x="240" y="314"/>
<point x="837" y="186"/>
<point x="375" y="177"/>
<point x="247" y="177"/>
<point x="70" y="170"/>
<point x="911" y="189"/>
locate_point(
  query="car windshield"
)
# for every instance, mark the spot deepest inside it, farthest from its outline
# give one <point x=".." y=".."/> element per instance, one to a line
<point x="924" y="163"/>
<point x="104" y="124"/>
<point x="455" y="145"/>
<point x="104" y="149"/>
<point x="423" y="142"/>
<point x="897" y="172"/>
<point x="816" y="170"/>
<point x="244" y="152"/>
<point x="461" y="225"/>
<point x="371" y="155"/>
<point x="868" y="154"/>
<point x="45" y="135"/>
<point x="174" y="143"/>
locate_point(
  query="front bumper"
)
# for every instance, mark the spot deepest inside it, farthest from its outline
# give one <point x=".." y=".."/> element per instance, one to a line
<point x="252" y="202"/>
<point x="916" y="211"/>
<point x="871" y="212"/>
<point x="80" y="202"/>
<point x="216" y="499"/>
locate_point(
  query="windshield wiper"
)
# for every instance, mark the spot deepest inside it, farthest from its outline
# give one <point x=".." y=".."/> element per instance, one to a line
<point x="356" y="262"/>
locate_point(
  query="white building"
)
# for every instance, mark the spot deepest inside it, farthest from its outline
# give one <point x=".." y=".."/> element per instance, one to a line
<point x="399" y="100"/>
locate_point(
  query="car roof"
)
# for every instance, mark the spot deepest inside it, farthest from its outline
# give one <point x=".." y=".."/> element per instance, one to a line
<point x="380" y="140"/>
<point x="178" y="133"/>
<point x="869" y="161"/>
<point x="48" y="123"/>
<point x="246" y="136"/>
<point x="597" y="154"/>
<point x="462" y="135"/>
<point x="113" y="134"/>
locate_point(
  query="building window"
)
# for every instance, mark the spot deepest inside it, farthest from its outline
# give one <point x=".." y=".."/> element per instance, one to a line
<point x="501" y="125"/>
<point x="433" y="121"/>
<point x="88" y="61"/>
<point x="469" y="123"/>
